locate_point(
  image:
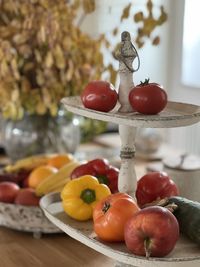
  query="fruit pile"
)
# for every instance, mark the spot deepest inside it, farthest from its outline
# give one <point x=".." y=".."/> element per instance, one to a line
<point x="25" y="181"/>
<point x="28" y="179"/>
<point x="146" y="224"/>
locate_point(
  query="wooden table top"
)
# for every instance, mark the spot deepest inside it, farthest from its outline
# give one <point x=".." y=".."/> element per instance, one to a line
<point x="52" y="250"/>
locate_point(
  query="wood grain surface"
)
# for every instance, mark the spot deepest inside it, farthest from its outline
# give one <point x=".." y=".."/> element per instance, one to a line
<point x="18" y="249"/>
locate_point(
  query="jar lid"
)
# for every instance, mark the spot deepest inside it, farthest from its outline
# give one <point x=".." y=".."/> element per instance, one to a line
<point x="183" y="162"/>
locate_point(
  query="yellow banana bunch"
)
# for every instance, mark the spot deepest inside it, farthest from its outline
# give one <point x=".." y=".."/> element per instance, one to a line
<point x="56" y="181"/>
<point x="28" y="163"/>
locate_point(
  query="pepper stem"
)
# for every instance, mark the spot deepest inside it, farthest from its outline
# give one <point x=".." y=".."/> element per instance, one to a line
<point x="88" y="196"/>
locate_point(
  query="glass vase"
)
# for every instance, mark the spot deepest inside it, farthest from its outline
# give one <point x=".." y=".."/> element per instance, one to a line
<point x="35" y="134"/>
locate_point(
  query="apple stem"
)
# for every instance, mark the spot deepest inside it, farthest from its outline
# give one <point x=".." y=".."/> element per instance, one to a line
<point x="147" y="247"/>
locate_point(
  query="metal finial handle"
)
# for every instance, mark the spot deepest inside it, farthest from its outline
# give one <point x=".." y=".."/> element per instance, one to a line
<point x="127" y="52"/>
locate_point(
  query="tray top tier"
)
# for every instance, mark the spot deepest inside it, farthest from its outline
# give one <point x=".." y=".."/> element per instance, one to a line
<point x="174" y="115"/>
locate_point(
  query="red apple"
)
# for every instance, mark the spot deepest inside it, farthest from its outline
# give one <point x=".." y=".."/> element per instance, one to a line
<point x="27" y="197"/>
<point x="8" y="191"/>
<point x="152" y="231"/>
<point x="15" y="177"/>
<point x="25" y="183"/>
<point x="153" y="186"/>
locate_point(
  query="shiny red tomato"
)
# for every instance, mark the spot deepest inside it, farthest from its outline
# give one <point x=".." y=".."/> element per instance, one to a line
<point x="99" y="95"/>
<point x="153" y="186"/>
<point x="111" y="214"/>
<point x="148" y="98"/>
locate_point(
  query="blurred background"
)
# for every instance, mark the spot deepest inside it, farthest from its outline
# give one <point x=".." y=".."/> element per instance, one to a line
<point x="51" y="49"/>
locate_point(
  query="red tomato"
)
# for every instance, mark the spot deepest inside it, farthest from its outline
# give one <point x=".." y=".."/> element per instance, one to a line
<point x="153" y="186"/>
<point x="148" y="98"/>
<point x="111" y="214"/>
<point x="99" y="95"/>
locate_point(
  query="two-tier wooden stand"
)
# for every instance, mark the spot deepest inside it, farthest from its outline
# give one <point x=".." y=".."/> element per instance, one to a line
<point x="174" y="115"/>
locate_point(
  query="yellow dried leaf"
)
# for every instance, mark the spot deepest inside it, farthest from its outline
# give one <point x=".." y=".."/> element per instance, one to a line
<point x="10" y="111"/>
<point x="42" y="34"/>
<point x="40" y="78"/>
<point x="59" y="57"/>
<point x="115" y="31"/>
<point x="149" y="6"/>
<point x="70" y="70"/>
<point x="88" y="6"/>
<point x="49" y="60"/>
<point x="139" y="16"/>
<point x="15" y="95"/>
<point x="14" y="67"/>
<point x="25" y="85"/>
<point x="3" y="68"/>
<point x="44" y="3"/>
<point x="46" y="96"/>
<point x="20" y="38"/>
<point x="53" y="109"/>
<point x="38" y="56"/>
<point x="156" y="40"/>
<point x="28" y="67"/>
<point x="126" y="12"/>
<point x="163" y="16"/>
<point x="40" y="108"/>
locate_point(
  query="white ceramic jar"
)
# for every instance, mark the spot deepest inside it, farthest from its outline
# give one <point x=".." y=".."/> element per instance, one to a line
<point x="184" y="170"/>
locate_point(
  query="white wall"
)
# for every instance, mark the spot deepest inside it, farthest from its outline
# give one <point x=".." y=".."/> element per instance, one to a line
<point x="154" y="59"/>
<point x="185" y="138"/>
<point x="161" y="63"/>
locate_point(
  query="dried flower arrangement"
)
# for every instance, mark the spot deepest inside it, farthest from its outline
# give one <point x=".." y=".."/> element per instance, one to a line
<point x="45" y="56"/>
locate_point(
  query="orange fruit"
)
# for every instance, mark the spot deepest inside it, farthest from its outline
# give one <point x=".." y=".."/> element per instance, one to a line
<point x="39" y="174"/>
<point x="60" y="160"/>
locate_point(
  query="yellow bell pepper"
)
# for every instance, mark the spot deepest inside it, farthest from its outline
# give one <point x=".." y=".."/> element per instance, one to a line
<point x="79" y="196"/>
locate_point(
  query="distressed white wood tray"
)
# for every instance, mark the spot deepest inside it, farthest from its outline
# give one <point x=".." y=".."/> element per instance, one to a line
<point x="174" y="115"/>
<point x="26" y="219"/>
<point x="185" y="253"/>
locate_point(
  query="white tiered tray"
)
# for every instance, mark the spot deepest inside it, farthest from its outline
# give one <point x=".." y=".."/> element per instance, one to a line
<point x="185" y="253"/>
<point x="174" y="115"/>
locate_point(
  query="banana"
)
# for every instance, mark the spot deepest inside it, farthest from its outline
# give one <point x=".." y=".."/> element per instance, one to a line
<point x="57" y="186"/>
<point x="28" y="163"/>
<point x="58" y="178"/>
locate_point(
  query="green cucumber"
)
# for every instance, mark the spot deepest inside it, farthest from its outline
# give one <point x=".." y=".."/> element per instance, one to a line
<point x="188" y="216"/>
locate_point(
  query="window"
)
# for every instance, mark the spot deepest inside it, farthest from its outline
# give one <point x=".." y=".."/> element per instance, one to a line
<point x="191" y="44"/>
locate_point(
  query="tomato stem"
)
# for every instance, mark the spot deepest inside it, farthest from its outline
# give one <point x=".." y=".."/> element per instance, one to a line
<point x="106" y="207"/>
<point x="146" y="82"/>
